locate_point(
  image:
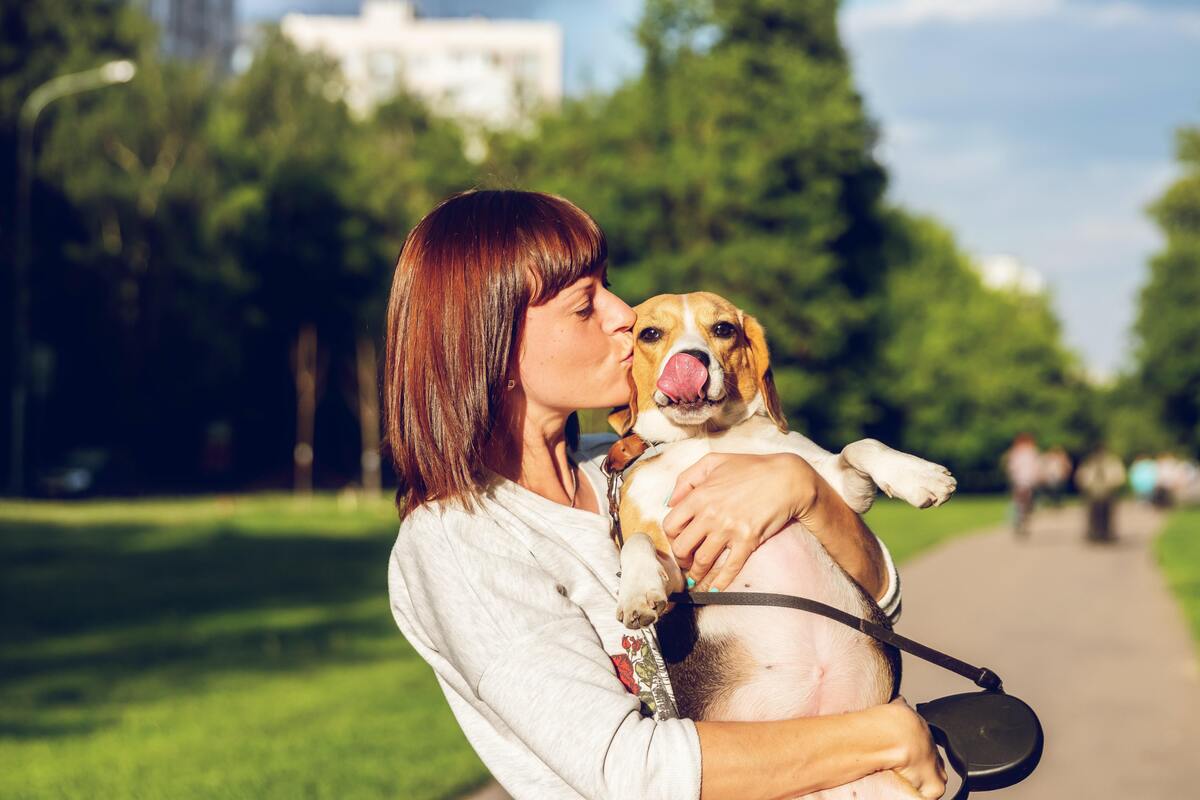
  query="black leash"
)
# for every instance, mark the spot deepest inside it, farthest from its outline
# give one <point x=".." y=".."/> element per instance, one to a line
<point x="980" y="676"/>
<point x="992" y="739"/>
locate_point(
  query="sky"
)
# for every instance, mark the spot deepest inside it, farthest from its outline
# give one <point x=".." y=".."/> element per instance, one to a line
<point x="1036" y="130"/>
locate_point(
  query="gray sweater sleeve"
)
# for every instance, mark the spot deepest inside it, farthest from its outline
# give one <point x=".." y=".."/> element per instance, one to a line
<point x="488" y="617"/>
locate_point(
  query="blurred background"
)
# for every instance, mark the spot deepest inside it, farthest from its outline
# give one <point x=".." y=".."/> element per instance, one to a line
<point x="959" y="222"/>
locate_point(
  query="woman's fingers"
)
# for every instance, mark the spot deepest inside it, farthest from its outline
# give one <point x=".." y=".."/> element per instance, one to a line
<point x="705" y="557"/>
<point x="738" y="554"/>
<point x="692" y="477"/>
<point x="678" y="518"/>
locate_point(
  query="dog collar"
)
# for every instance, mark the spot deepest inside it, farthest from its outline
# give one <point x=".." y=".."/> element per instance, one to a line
<point x="626" y="450"/>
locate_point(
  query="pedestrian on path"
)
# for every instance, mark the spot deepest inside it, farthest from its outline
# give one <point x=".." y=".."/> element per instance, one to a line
<point x="1022" y="463"/>
<point x="1099" y="477"/>
<point x="1055" y="472"/>
<point x="1143" y="478"/>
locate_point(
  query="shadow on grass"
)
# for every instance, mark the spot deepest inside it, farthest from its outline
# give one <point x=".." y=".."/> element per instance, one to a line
<point x="106" y="610"/>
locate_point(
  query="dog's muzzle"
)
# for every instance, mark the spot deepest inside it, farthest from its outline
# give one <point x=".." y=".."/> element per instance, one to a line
<point x="688" y="378"/>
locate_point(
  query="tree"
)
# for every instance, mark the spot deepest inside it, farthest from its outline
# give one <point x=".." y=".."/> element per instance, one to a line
<point x="740" y="162"/>
<point x="966" y="368"/>
<point x="1168" y="325"/>
<point x="139" y="279"/>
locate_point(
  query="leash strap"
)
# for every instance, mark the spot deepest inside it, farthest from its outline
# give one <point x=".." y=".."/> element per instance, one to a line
<point x="980" y="676"/>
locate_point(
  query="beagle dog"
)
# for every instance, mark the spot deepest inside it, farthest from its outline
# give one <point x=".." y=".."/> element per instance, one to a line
<point x="702" y="383"/>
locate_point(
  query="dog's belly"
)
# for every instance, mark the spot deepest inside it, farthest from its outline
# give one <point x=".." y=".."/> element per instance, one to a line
<point x="765" y="663"/>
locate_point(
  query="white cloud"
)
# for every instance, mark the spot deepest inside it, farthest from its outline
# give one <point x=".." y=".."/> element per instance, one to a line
<point x="1003" y="271"/>
<point x="865" y="16"/>
<point x="912" y="13"/>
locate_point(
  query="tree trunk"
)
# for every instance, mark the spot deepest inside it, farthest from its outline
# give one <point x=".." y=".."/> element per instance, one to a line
<point x="304" y="367"/>
<point x="368" y="415"/>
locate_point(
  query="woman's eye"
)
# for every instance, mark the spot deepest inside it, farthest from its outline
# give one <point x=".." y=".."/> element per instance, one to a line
<point x="586" y="311"/>
<point x="650" y="335"/>
<point x="724" y="330"/>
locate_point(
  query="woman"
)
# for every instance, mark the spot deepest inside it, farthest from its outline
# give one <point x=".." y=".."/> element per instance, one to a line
<point x="503" y="576"/>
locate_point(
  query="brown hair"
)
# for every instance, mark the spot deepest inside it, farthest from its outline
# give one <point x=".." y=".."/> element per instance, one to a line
<point x="465" y="276"/>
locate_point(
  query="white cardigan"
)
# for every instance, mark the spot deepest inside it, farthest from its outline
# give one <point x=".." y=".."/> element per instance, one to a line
<point x="514" y="608"/>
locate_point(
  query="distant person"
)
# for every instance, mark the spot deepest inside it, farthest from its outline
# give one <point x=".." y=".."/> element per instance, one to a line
<point x="1143" y="478"/>
<point x="1172" y="475"/>
<point x="1099" y="478"/>
<point x="1055" y="466"/>
<point x="1022" y="464"/>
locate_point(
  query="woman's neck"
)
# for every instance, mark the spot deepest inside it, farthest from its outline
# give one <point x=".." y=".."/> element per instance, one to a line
<point x="536" y="456"/>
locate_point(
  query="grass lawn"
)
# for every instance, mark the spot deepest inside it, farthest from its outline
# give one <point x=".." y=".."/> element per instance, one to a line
<point x="1179" y="554"/>
<point x="908" y="531"/>
<point x="239" y="648"/>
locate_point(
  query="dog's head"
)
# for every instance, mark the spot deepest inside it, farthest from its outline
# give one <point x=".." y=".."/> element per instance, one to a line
<point x="699" y="363"/>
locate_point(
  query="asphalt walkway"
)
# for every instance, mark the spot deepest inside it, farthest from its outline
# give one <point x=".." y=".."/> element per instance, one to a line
<point x="1088" y="635"/>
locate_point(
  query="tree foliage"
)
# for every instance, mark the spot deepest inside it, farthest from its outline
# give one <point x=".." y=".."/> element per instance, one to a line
<point x="966" y="368"/>
<point x="189" y="229"/>
<point x="1168" y="323"/>
<point x="739" y="162"/>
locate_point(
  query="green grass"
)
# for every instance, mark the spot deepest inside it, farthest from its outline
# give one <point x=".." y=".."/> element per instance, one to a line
<point x="213" y="648"/>
<point x="1179" y="554"/>
<point x="909" y="531"/>
<point x="238" y="648"/>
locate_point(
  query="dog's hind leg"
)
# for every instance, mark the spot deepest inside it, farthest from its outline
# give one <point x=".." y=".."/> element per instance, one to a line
<point x="914" y="480"/>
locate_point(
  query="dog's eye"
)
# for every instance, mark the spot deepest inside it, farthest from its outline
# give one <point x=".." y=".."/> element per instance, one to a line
<point x="724" y="330"/>
<point x="650" y="335"/>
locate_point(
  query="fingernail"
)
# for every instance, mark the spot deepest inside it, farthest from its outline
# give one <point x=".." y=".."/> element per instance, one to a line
<point x="691" y="582"/>
<point x="714" y="589"/>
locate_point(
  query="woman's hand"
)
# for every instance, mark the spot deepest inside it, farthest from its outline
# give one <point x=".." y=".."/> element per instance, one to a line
<point x="916" y="758"/>
<point x="734" y="501"/>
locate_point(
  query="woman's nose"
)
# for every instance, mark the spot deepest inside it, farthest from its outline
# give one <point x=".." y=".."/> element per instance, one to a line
<point x="622" y="316"/>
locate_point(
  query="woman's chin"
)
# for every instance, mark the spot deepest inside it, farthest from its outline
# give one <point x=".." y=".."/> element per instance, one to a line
<point x="606" y="400"/>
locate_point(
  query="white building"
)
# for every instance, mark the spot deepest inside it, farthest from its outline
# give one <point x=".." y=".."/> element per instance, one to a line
<point x="480" y="70"/>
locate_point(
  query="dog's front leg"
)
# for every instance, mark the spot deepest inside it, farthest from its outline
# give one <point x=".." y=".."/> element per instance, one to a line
<point x="647" y="577"/>
<point x="914" y="480"/>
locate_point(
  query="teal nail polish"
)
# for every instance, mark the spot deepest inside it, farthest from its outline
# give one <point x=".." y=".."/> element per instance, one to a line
<point x="691" y="582"/>
<point x="714" y="589"/>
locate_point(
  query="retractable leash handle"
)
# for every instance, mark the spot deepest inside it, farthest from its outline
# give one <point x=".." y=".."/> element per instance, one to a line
<point x="993" y="740"/>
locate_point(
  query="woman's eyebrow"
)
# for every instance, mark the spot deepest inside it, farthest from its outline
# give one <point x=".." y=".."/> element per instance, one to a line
<point x="579" y="287"/>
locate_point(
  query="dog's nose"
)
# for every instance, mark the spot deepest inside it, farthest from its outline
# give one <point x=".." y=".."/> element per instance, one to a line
<point x="699" y="355"/>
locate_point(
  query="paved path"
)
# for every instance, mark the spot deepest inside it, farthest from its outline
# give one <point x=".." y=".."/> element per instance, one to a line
<point x="1087" y="635"/>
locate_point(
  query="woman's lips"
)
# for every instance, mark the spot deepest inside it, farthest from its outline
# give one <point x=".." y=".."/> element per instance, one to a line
<point x="628" y="359"/>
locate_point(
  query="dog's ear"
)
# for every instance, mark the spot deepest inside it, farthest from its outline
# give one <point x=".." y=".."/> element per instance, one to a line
<point x="623" y="418"/>
<point x="760" y="362"/>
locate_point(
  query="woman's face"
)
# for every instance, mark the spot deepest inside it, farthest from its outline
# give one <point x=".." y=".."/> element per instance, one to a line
<point x="577" y="349"/>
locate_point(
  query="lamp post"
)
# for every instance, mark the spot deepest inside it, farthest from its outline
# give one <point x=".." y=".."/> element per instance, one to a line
<point x="111" y="73"/>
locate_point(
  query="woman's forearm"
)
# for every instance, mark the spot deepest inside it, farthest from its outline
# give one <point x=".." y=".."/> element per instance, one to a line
<point x="844" y="536"/>
<point x="788" y="758"/>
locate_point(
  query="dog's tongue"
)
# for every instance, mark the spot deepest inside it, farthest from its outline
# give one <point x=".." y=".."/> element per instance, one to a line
<point x="683" y="378"/>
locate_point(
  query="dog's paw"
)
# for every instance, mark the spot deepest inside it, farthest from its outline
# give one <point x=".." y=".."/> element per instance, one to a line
<point x="916" y="481"/>
<point x="641" y="607"/>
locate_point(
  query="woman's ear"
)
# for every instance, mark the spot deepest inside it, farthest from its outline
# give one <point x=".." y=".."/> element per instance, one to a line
<point x="760" y="362"/>
<point x="623" y="418"/>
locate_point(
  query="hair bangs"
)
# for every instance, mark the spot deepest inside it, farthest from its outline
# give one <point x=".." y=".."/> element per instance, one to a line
<point x="562" y="244"/>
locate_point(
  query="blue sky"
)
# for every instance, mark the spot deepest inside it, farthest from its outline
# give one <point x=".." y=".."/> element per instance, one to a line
<point x="1032" y="128"/>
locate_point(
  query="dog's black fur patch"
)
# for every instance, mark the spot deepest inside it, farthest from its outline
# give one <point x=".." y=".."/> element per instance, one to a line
<point x="701" y="670"/>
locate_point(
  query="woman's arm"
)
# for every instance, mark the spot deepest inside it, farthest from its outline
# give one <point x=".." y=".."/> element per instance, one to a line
<point x="736" y="502"/>
<point x="800" y="756"/>
<point x="504" y="639"/>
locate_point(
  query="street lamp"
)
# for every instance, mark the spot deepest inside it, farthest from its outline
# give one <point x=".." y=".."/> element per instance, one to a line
<point x="111" y="73"/>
